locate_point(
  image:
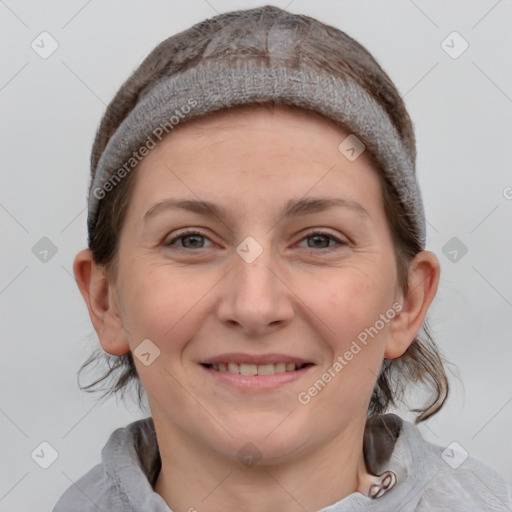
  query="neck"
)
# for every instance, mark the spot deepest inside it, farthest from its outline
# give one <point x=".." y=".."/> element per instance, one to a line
<point x="196" y="478"/>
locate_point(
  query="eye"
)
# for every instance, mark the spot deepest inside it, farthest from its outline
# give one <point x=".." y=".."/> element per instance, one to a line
<point x="189" y="240"/>
<point x="322" y="240"/>
<point x="315" y="240"/>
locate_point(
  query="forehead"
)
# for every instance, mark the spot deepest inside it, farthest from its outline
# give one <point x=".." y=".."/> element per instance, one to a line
<point x="274" y="150"/>
<point x="321" y="132"/>
<point x="255" y="116"/>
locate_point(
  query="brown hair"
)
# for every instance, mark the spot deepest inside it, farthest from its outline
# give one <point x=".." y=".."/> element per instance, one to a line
<point x="422" y="362"/>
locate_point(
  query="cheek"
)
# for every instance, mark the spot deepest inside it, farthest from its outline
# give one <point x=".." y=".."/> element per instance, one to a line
<point x="166" y="307"/>
<point x="356" y="341"/>
<point x="353" y="307"/>
<point x="354" y="302"/>
<point x="160" y="303"/>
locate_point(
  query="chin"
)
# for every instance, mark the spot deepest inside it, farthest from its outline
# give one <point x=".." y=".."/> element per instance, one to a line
<point x="270" y="440"/>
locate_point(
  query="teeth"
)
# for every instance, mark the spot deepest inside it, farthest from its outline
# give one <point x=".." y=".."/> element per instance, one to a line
<point x="266" y="369"/>
<point x="255" y="369"/>
<point x="248" y="369"/>
<point x="280" y="368"/>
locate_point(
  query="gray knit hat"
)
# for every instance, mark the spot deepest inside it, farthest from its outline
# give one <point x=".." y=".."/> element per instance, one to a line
<point x="258" y="56"/>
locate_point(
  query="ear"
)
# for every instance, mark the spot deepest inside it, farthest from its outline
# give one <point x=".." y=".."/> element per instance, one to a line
<point x="100" y="300"/>
<point x="424" y="272"/>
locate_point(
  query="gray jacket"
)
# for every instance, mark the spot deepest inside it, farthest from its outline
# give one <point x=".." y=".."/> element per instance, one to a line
<point x="429" y="478"/>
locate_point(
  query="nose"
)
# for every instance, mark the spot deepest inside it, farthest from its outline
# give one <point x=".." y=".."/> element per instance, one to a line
<point x="255" y="297"/>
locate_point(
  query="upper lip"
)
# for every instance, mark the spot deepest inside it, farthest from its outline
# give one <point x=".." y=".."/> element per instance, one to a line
<point x="254" y="359"/>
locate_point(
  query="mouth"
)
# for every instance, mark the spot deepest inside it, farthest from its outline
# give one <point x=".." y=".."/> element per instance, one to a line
<point x="247" y="372"/>
<point x="256" y="369"/>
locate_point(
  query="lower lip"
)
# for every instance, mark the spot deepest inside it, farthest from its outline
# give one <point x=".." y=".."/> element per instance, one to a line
<point x="257" y="382"/>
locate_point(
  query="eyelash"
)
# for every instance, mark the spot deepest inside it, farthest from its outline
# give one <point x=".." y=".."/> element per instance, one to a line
<point x="340" y="243"/>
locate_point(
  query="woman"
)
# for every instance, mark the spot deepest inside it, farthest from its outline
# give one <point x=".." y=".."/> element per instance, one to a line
<point x="257" y="266"/>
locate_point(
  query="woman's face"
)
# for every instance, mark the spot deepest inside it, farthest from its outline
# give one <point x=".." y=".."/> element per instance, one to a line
<point x="293" y="262"/>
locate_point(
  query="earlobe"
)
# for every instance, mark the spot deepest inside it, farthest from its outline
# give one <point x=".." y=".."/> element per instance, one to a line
<point x="424" y="272"/>
<point x="103" y="311"/>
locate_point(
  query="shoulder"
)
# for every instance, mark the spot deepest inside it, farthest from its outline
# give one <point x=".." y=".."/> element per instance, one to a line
<point x="119" y="483"/>
<point x="466" y="483"/>
<point x="447" y="478"/>
<point x="84" y="494"/>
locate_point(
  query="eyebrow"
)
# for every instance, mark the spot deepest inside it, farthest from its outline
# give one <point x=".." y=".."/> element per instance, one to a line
<point x="293" y="208"/>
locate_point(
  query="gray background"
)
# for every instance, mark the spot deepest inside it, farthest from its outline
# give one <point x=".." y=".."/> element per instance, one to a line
<point x="50" y="108"/>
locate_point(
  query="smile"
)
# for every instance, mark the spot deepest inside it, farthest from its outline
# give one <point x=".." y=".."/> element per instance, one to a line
<point x="256" y="369"/>
<point x="256" y="372"/>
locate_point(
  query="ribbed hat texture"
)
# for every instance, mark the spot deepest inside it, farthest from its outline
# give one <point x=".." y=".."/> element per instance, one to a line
<point x="259" y="56"/>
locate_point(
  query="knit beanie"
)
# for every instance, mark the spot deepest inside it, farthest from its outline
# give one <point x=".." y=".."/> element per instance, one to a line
<point x="263" y="55"/>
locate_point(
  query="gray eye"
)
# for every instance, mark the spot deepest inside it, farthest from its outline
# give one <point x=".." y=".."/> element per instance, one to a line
<point x="194" y="241"/>
<point x="319" y="241"/>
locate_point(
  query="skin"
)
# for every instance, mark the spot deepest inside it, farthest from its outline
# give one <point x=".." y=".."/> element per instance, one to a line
<point x="196" y="298"/>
